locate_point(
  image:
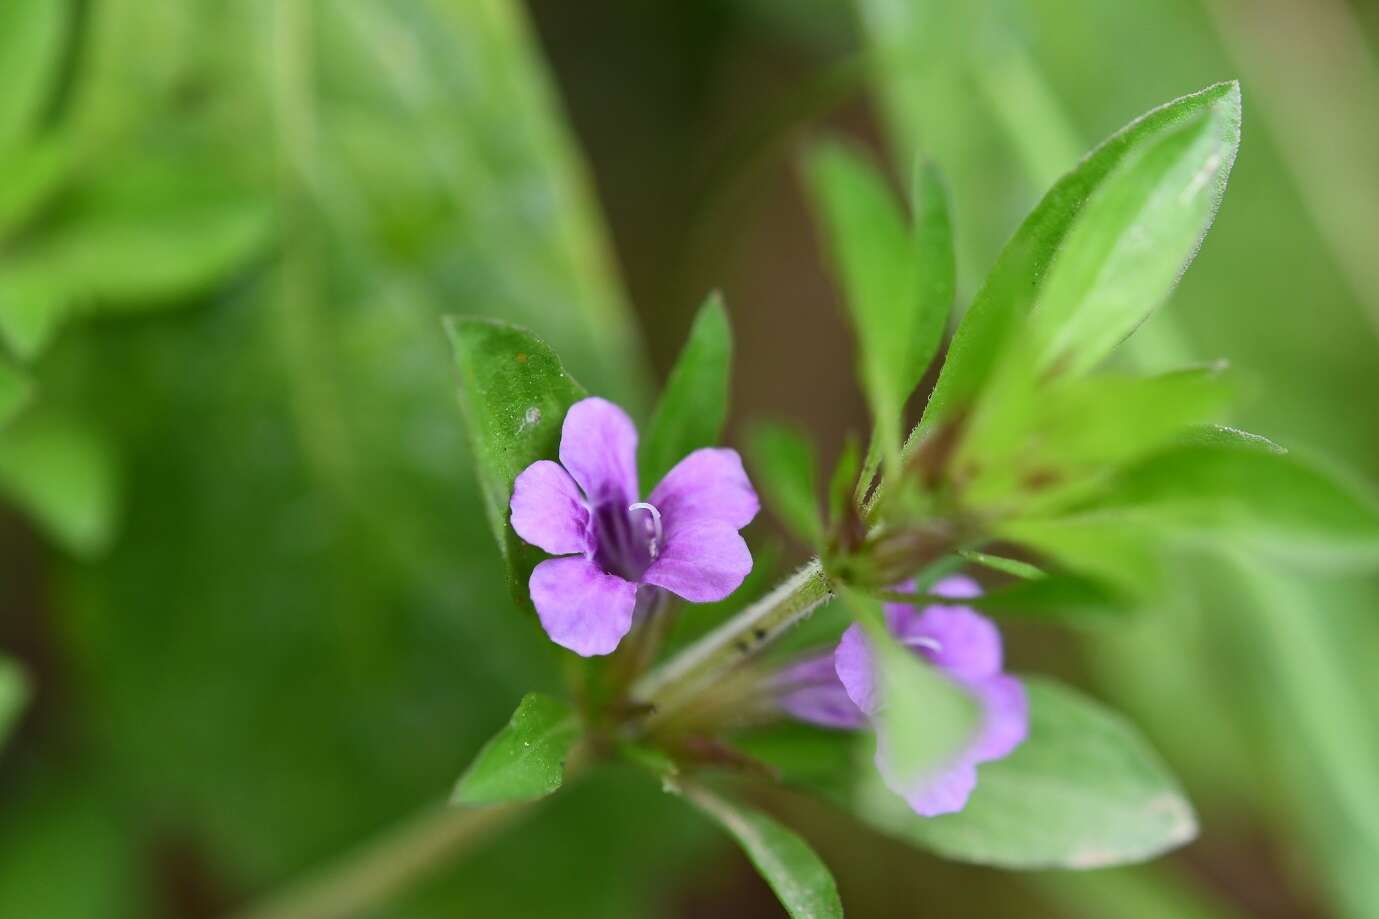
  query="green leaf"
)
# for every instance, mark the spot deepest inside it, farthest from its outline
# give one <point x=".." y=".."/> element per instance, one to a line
<point x="149" y="237"/>
<point x="924" y="719"/>
<point x="514" y="393"/>
<point x="61" y="474"/>
<point x="14" y="695"/>
<point x="1063" y="598"/>
<point x="1083" y="791"/>
<point x="32" y="34"/>
<point x="801" y="881"/>
<point x="1049" y="443"/>
<point x="785" y="471"/>
<point x="1104" y="548"/>
<point x="33" y="173"/>
<point x="841" y="482"/>
<point x="898" y="285"/>
<point x="1011" y="566"/>
<point x="1249" y="496"/>
<point x="1018" y="277"/>
<point x="694" y="403"/>
<point x="526" y="759"/>
<point x="15" y="392"/>
<point x="1134" y="239"/>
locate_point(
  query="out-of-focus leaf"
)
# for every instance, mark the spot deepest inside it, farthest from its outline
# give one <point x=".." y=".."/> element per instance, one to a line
<point x="1310" y="695"/>
<point x="146" y="238"/>
<point x="1048" y="446"/>
<point x="15" y="392"/>
<point x="1021" y="272"/>
<point x="514" y="393"/>
<point x="785" y="471"/>
<point x="1249" y="497"/>
<point x="1062" y="598"/>
<point x="1134" y="239"/>
<point x="66" y="854"/>
<point x="801" y="881"/>
<point x="14" y="695"/>
<point x="819" y="759"/>
<point x="31" y="38"/>
<point x="898" y="284"/>
<point x="841" y="482"/>
<point x="1011" y="566"/>
<point x="33" y="172"/>
<point x="925" y="719"/>
<point x="694" y="403"/>
<point x="63" y="476"/>
<point x="526" y="759"/>
<point x="1103" y="548"/>
<point x="1083" y="791"/>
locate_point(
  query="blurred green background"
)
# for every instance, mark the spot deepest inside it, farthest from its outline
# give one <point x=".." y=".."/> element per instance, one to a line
<point x="243" y="565"/>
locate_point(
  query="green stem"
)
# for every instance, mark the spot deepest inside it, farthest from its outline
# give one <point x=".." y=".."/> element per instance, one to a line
<point x="704" y="662"/>
<point x="372" y="876"/>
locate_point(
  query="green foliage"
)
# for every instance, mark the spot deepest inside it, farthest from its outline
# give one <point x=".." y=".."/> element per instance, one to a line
<point x="1083" y="791"/>
<point x="785" y="473"/>
<point x="14" y="695"/>
<point x="63" y="476"/>
<point x="15" y="392"/>
<point x="800" y="880"/>
<point x="694" y="403"/>
<point x="1243" y="496"/>
<point x="514" y="392"/>
<point x="1020" y="275"/>
<point x="526" y="759"/>
<point x="32" y="33"/>
<point x="1036" y="447"/>
<point x="139" y="237"/>
<point x="897" y="281"/>
<point x="1134" y="238"/>
<point x="1064" y="598"/>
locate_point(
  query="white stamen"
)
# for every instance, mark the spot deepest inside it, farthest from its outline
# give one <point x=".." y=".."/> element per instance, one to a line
<point x="656" y="532"/>
<point x="928" y="644"/>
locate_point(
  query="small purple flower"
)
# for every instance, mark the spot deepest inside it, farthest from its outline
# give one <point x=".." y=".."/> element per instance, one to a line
<point x="961" y="643"/>
<point x="587" y="508"/>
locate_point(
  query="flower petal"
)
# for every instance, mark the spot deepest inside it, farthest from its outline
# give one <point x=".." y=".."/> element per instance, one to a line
<point x="548" y="511"/>
<point x="810" y="691"/>
<point x="1005" y="718"/>
<point x="598" y="445"/>
<point x="581" y="607"/>
<point x="708" y="484"/>
<point x="702" y="562"/>
<point x="943" y="792"/>
<point x="956" y="638"/>
<point x="854" y="664"/>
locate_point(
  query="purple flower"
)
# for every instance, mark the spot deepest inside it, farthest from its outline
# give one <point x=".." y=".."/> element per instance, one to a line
<point x="587" y="508"/>
<point x="962" y="644"/>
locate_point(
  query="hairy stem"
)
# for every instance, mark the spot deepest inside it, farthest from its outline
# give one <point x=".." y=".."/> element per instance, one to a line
<point x="702" y="663"/>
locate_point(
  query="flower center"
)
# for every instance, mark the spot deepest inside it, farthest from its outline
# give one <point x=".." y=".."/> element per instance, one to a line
<point x="654" y="532"/>
<point x="627" y="538"/>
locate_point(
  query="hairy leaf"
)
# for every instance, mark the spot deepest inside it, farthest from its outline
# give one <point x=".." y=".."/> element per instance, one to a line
<point x="514" y="393"/>
<point x="526" y="759"/>
<point x="1018" y="277"/>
